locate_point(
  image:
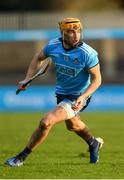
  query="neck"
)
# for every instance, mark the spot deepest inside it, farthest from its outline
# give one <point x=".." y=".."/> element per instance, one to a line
<point x="67" y="46"/>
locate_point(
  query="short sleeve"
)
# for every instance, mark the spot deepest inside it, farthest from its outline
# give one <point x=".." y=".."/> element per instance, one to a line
<point x="92" y="60"/>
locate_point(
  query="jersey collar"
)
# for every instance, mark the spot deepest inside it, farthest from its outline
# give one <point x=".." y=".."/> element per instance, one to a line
<point x="80" y="43"/>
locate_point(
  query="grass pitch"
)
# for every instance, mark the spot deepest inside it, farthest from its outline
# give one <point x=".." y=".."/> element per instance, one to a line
<point x="63" y="155"/>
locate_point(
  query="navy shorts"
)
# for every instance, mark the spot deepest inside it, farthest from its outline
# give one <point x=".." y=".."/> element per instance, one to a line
<point x="61" y="97"/>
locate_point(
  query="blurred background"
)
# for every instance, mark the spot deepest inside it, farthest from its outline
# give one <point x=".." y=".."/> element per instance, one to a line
<point x="25" y="26"/>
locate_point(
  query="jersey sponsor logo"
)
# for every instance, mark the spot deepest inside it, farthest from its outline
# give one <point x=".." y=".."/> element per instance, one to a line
<point x="66" y="70"/>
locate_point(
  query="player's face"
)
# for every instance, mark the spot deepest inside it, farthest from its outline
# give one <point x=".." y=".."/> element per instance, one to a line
<point x="71" y="37"/>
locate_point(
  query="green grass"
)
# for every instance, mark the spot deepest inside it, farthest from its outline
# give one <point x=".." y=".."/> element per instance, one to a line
<point x="63" y="155"/>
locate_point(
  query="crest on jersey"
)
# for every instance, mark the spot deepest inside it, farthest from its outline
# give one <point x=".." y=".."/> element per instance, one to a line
<point x="66" y="58"/>
<point x="76" y="61"/>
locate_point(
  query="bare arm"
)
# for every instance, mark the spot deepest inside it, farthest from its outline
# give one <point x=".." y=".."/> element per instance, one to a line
<point x="95" y="83"/>
<point x="34" y="65"/>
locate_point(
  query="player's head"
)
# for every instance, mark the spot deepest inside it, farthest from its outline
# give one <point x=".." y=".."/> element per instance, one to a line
<point x="71" y="30"/>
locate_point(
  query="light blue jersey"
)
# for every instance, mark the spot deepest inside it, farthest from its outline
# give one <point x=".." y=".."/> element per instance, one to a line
<point x="71" y="66"/>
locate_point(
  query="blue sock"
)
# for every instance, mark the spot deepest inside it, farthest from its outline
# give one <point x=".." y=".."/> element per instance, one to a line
<point x="92" y="142"/>
<point x="23" y="155"/>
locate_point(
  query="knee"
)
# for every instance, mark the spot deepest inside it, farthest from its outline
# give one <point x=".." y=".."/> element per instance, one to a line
<point x="48" y="121"/>
<point x="71" y="127"/>
<point x="74" y="126"/>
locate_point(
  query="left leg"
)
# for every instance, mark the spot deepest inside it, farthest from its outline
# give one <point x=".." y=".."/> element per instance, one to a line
<point x="80" y="128"/>
<point x="76" y="125"/>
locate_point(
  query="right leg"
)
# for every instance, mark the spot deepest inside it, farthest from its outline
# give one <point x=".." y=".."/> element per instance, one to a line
<point x="39" y="135"/>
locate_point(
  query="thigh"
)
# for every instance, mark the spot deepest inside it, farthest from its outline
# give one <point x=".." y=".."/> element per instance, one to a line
<point x="55" y="116"/>
<point x="66" y="102"/>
